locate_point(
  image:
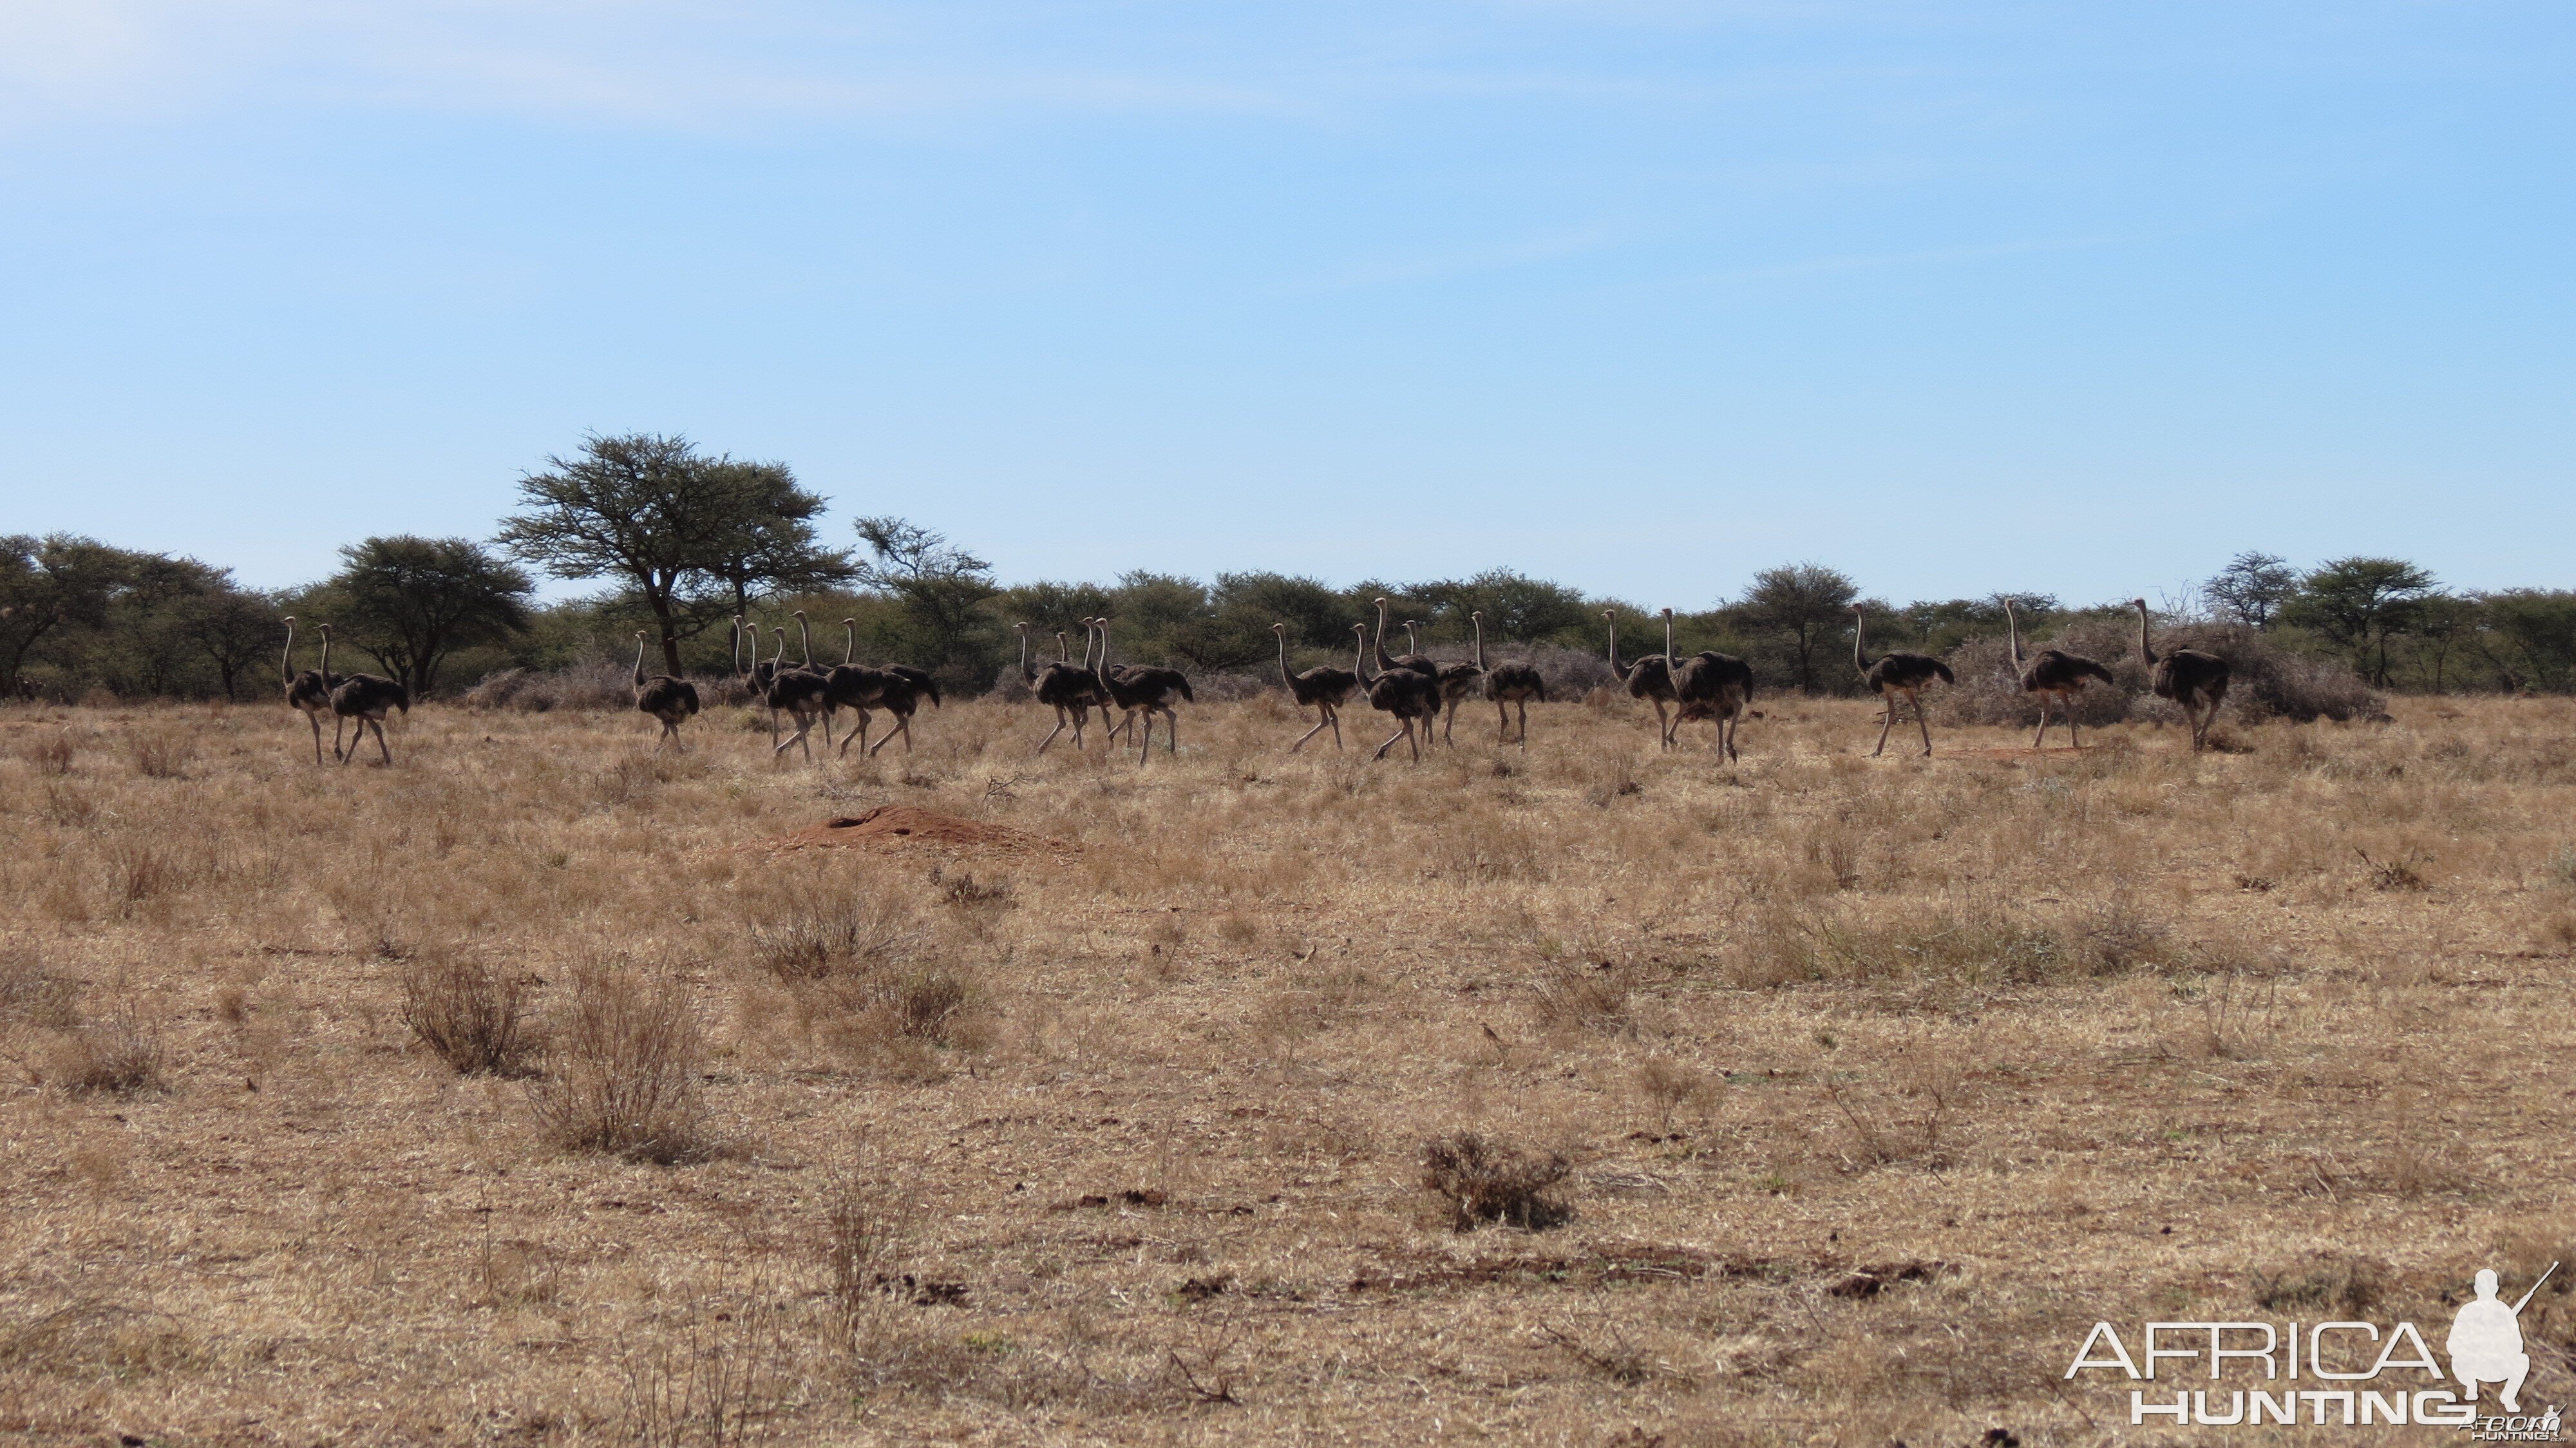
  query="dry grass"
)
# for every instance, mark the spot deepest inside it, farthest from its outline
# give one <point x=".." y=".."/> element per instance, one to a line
<point x="1478" y="1181"/>
<point x="621" y="1074"/>
<point x="469" y="1013"/>
<point x="1874" y="1082"/>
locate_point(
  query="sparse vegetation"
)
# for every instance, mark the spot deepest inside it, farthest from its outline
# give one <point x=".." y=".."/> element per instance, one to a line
<point x="120" y="1054"/>
<point x="1481" y="1181"/>
<point x="1115" y="1127"/>
<point x="621" y="1072"/>
<point x="469" y="1012"/>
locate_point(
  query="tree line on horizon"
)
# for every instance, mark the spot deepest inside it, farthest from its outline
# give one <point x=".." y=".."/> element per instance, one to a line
<point x="682" y="542"/>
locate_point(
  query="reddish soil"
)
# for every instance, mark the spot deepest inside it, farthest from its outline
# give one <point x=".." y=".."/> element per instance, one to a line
<point x="902" y="826"/>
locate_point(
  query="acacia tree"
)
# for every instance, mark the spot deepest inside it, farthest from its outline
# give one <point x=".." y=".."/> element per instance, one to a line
<point x="1515" y="605"/>
<point x="2530" y="638"/>
<point x="774" y="548"/>
<point x="2361" y="603"/>
<point x="1802" y="605"/>
<point x="2252" y="588"/>
<point x="47" y="583"/>
<point x="941" y="587"/>
<point x="230" y="626"/>
<point x="411" y="602"/>
<point x="693" y="536"/>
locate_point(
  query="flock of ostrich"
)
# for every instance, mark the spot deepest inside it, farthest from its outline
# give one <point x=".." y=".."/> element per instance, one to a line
<point x="1414" y="690"/>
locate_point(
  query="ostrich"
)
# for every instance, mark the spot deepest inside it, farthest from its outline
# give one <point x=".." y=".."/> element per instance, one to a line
<point x="365" y="698"/>
<point x="1514" y="684"/>
<point x="1070" y="691"/>
<point x="895" y="688"/>
<point x="756" y="676"/>
<point x="2195" y="680"/>
<point x="1894" y="674"/>
<point x="1708" y="685"/>
<point x="1646" y="679"/>
<point x="1408" y="694"/>
<point x="852" y="685"/>
<point x="665" y="698"/>
<point x="1415" y="662"/>
<point x="309" y="693"/>
<point x="805" y="643"/>
<point x="1457" y="681"/>
<point x="1323" y="689"/>
<point x="2052" y="674"/>
<point x="1144" y="688"/>
<point x="802" y="693"/>
<point x="901" y="698"/>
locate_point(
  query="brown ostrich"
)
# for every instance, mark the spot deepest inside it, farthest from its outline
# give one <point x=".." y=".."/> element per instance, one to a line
<point x="1897" y="674"/>
<point x="2052" y="674"/>
<point x="2195" y="680"/>
<point x="1323" y="688"/>
<point x="309" y="693"/>
<point x="1646" y="679"/>
<point x="665" y="698"/>
<point x="1408" y="694"/>
<point x="1708" y="685"/>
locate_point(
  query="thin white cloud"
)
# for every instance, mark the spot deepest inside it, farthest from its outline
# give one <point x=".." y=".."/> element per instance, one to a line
<point x="692" y="64"/>
<point x="675" y="63"/>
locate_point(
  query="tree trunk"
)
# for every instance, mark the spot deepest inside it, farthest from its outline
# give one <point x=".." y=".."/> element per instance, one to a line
<point x="658" y="594"/>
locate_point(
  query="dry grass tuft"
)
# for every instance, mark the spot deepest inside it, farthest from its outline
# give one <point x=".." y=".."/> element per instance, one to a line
<point x="121" y="1055"/>
<point x="816" y="942"/>
<point x="31" y="995"/>
<point x="622" y="1070"/>
<point x="719" y="1376"/>
<point x="1481" y="1181"/>
<point x="160" y="756"/>
<point x="468" y="1012"/>
<point x="2325" y="1282"/>
<point x="2403" y="872"/>
<point x="51" y="753"/>
<point x="1577" y="996"/>
<point x="1618" y="1359"/>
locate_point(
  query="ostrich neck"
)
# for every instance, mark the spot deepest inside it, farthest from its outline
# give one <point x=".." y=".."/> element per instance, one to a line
<point x="1383" y="663"/>
<point x="1614" y="648"/>
<point x="639" y="661"/>
<point x="1027" y="674"/>
<point x="2145" y="646"/>
<point x="1860" y="632"/>
<point x="1480" y="646"/>
<point x="1284" y="676"/>
<point x="326" y="656"/>
<point x="850" y="649"/>
<point x="805" y="640"/>
<point x="287" y="667"/>
<point x="2012" y="630"/>
<point x="1668" y="644"/>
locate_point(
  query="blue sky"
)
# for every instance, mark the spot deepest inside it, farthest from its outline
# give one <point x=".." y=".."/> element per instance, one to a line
<point x="1641" y="294"/>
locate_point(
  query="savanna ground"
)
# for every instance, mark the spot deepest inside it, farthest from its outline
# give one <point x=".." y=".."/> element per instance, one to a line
<point x="1876" y="1082"/>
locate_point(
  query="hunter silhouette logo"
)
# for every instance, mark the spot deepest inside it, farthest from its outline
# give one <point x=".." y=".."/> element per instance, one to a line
<point x="2363" y="1374"/>
<point x="2486" y="1342"/>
